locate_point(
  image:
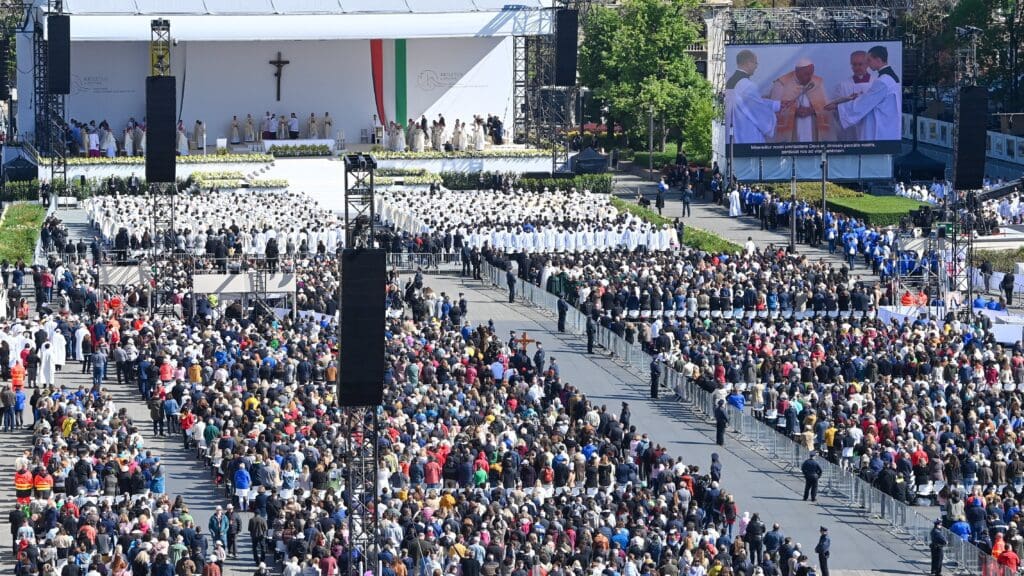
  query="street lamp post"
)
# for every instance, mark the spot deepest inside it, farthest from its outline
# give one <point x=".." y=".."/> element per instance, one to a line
<point x="650" y="144"/>
<point x="824" y="181"/>
<point x="792" y="208"/>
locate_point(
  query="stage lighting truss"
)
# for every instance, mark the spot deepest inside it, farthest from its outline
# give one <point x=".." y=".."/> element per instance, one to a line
<point x="806" y="25"/>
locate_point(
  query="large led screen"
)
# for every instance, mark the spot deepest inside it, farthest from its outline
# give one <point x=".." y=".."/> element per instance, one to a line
<point x="800" y="99"/>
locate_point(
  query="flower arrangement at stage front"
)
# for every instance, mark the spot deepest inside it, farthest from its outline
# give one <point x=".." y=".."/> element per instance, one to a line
<point x="435" y="155"/>
<point x="421" y="180"/>
<point x="140" y="160"/>
<point x="301" y="151"/>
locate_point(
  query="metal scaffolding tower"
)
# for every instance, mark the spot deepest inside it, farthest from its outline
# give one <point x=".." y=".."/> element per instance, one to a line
<point x="361" y="458"/>
<point x="542" y="111"/>
<point x="168" y="264"/>
<point x="50" y="126"/>
<point x="359" y="209"/>
<point x="965" y="203"/>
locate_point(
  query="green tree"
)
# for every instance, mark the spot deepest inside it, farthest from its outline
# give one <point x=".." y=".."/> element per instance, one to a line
<point x="635" y="59"/>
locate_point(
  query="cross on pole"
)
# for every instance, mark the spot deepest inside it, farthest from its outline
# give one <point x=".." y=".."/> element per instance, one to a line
<point x="525" y="340"/>
<point x="280" y="64"/>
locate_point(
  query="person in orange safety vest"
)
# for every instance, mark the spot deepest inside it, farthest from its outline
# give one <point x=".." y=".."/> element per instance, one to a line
<point x="23" y="486"/>
<point x="43" y="484"/>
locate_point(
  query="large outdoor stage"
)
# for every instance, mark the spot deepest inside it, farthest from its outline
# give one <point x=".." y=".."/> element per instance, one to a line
<point x="353" y="59"/>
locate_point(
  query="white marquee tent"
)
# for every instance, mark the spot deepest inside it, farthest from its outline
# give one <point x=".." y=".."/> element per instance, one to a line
<point x="448" y="57"/>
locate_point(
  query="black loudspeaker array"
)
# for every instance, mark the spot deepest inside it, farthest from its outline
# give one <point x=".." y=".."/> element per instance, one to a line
<point x="969" y="163"/>
<point x="567" y="30"/>
<point x="58" y="53"/>
<point x="160" y="131"/>
<point x="361" y="361"/>
<point x="5" y="79"/>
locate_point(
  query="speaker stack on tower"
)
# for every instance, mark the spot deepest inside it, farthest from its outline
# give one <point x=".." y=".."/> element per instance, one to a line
<point x="160" y="129"/>
<point x="5" y="80"/>
<point x="969" y="163"/>
<point x="58" y="53"/>
<point x="567" y="28"/>
<point x="361" y="359"/>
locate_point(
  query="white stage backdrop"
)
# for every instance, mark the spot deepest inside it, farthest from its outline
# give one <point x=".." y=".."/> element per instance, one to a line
<point x="460" y="77"/>
<point x="455" y="77"/>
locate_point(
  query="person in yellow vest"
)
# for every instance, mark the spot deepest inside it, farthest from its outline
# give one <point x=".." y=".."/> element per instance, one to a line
<point x="23" y="486"/>
<point x="42" y="482"/>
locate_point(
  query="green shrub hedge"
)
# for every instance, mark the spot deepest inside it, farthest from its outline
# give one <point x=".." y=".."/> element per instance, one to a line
<point x="597" y="183"/>
<point x="664" y="158"/>
<point x="875" y="210"/>
<point x="810" y="191"/>
<point x="1002" y="260"/>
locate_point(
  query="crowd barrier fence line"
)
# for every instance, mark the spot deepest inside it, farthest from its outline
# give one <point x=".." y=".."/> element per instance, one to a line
<point x="899" y="518"/>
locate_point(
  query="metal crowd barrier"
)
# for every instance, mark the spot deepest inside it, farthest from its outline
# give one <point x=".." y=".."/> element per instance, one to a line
<point x="899" y="518"/>
<point x="425" y="260"/>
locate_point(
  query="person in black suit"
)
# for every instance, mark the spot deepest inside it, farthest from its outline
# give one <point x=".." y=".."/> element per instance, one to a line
<point x="721" y="421"/>
<point x="563" y="309"/>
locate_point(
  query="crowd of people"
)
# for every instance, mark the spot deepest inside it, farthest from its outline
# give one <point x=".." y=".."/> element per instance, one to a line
<point x="919" y="406"/>
<point x="493" y="463"/>
<point x="514" y="221"/>
<point x="222" y="224"/>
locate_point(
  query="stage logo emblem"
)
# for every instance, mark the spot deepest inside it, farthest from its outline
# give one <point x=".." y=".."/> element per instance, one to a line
<point x="432" y="79"/>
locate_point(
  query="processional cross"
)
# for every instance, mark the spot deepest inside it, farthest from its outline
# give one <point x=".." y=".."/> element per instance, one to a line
<point x="525" y="340"/>
<point x="280" y="64"/>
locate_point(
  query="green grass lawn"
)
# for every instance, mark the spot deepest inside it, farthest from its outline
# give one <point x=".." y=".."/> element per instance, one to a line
<point x="693" y="237"/>
<point x="876" y="210"/>
<point x="19" y="232"/>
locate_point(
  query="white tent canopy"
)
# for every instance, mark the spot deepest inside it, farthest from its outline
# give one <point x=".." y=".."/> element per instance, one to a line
<point x="270" y="20"/>
<point x="313" y="27"/>
<point x="266" y="7"/>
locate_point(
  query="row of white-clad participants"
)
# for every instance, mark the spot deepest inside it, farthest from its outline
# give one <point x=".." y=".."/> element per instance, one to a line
<point x="542" y="221"/>
<point x="290" y="217"/>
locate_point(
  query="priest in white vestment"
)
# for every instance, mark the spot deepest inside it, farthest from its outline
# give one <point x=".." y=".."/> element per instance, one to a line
<point x="182" y="140"/>
<point x="858" y="83"/>
<point x="879" y="107"/>
<point x="734" y="204"/>
<point x="751" y="116"/>
<point x="236" y="131"/>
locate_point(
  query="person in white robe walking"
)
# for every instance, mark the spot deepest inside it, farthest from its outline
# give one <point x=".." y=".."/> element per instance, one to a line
<point x="734" y="204"/>
<point x="47" y="366"/>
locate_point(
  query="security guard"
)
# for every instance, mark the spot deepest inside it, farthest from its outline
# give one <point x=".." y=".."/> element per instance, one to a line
<point x="937" y="543"/>
<point x="591" y="334"/>
<point x="563" y="309"/>
<point x="823" y="549"/>
<point x="656" y="371"/>
<point x="721" y="421"/>
<point x="812" y="471"/>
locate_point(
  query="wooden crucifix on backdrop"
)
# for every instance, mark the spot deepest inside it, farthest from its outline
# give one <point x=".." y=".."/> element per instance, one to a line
<point x="280" y="64"/>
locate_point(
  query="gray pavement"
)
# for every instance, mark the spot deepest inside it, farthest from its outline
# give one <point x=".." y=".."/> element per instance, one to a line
<point x="858" y="543"/>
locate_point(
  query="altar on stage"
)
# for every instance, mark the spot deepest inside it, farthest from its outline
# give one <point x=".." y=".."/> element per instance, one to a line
<point x="267" y="144"/>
